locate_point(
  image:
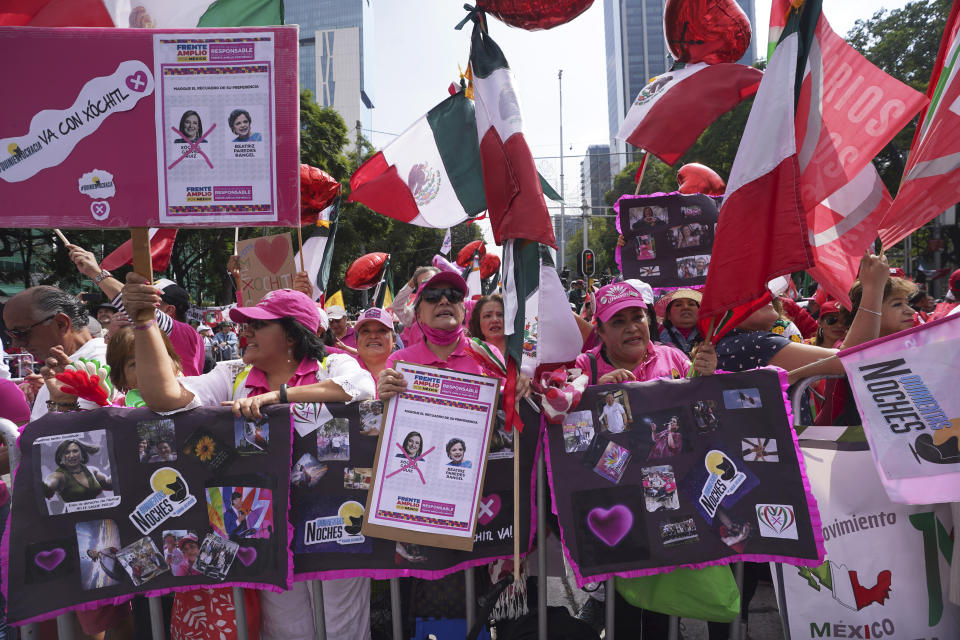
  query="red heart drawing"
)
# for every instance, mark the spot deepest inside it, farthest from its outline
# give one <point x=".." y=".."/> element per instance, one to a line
<point x="489" y="508"/>
<point x="247" y="555"/>
<point x="272" y="252"/>
<point x="51" y="559"/>
<point x="610" y="525"/>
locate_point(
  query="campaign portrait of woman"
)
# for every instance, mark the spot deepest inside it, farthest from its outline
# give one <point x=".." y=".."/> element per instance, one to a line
<point x="241" y="124"/>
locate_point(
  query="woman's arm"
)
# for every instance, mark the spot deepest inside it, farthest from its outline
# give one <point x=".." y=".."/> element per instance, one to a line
<point x="52" y="484"/>
<point x="324" y="391"/>
<point x="105" y="481"/>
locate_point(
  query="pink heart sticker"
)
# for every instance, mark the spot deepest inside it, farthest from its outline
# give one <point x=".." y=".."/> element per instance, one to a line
<point x="610" y="525"/>
<point x="51" y="559"/>
<point x="100" y="209"/>
<point x="247" y="555"/>
<point x="137" y="82"/>
<point x="488" y="509"/>
<point x="272" y="252"/>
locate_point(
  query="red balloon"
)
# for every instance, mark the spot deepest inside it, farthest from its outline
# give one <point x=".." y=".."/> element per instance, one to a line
<point x="710" y="31"/>
<point x="364" y="273"/>
<point x="534" y="14"/>
<point x="317" y="191"/>
<point x="699" y="178"/>
<point x="465" y="257"/>
<point x="489" y="265"/>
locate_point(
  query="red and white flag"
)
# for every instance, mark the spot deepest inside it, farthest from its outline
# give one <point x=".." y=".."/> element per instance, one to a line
<point x="510" y="180"/>
<point x="674" y="108"/>
<point x="931" y="180"/>
<point x="161" y="248"/>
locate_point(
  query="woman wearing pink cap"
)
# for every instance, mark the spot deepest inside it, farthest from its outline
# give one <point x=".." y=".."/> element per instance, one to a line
<point x="626" y="352"/>
<point x="375" y="340"/>
<point x="285" y="362"/>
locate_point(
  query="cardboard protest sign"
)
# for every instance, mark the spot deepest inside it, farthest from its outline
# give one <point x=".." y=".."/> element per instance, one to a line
<point x="668" y="238"/>
<point x="113" y="502"/>
<point x="266" y="264"/>
<point x="888" y="565"/>
<point x="141" y="128"/>
<point x="905" y="389"/>
<point x="650" y="476"/>
<point x="333" y="462"/>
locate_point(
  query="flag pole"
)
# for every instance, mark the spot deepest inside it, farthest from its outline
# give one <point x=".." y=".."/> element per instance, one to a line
<point x="516" y="504"/>
<point x="641" y="171"/>
<point x="300" y="242"/>
<point x="142" y="262"/>
<point x="236" y="239"/>
<point x="62" y="237"/>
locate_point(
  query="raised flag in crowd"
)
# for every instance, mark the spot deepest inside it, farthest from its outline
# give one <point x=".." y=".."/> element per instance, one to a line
<point x="161" y="248"/>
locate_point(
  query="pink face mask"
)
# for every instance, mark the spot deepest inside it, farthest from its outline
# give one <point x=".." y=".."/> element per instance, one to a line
<point x="441" y="337"/>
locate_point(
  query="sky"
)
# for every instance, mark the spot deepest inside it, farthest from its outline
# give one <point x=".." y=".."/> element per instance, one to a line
<point x="417" y="53"/>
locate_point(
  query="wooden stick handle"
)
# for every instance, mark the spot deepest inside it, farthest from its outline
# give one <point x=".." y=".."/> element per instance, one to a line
<point x="643" y="170"/>
<point x="62" y="237"/>
<point x="142" y="262"/>
<point x="516" y="504"/>
<point x="300" y="242"/>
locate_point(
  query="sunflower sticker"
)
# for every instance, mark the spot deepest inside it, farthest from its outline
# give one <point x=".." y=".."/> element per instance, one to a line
<point x="205" y="448"/>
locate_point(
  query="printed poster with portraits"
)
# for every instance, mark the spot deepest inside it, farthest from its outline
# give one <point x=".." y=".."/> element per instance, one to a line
<point x="654" y="475"/>
<point x="333" y="470"/>
<point x="114" y="502"/>
<point x="668" y="238"/>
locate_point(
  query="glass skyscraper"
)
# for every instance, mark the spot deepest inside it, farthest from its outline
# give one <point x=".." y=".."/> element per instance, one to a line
<point x="336" y="54"/>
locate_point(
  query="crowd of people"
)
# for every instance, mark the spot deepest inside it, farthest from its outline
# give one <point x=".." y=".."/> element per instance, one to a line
<point x="288" y="348"/>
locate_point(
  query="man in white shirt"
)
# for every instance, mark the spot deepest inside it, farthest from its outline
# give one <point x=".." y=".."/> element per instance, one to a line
<point x="614" y="414"/>
<point x="41" y="318"/>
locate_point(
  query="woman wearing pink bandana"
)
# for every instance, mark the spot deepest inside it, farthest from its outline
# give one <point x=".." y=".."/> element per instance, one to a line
<point x="625" y="352"/>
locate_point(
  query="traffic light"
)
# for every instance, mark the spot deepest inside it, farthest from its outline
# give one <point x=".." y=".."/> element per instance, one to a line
<point x="587" y="265"/>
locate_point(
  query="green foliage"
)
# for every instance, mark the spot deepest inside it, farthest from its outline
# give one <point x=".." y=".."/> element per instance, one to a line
<point x="323" y="136"/>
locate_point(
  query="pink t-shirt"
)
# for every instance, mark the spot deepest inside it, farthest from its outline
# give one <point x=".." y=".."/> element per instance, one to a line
<point x="13" y="407"/>
<point x="419" y="353"/>
<point x="661" y="362"/>
<point x="189" y="346"/>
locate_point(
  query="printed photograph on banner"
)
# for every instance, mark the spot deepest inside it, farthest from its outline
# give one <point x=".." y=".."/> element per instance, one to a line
<point x="326" y="523"/>
<point x="357" y="478"/>
<point x="98" y="542"/>
<point x="777" y="521"/>
<point x="56" y="560"/>
<point x="142" y="560"/>
<point x="648" y="271"/>
<point x="613" y="412"/>
<point x="644" y="218"/>
<point x="216" y="556"/>
<point x="659" y="489"/>
<point x="613" y="462"/>
<point x="742" y="399"/>
<point x="610" y="527"/>
<point x="371" y="414"/>
<point x="205" y="448"/>
<point x="645" y="248"/>
<point x="693" y="266"/>
<point x="733" y="531"/>
<point x="307" y="471"/>
<point x="76" y="472"/>
<point x="181" y="548"/>
<point x="759" y="450"/>
<point x="501" y="441"/>
<point x="705" y="416"/>
<point x="251" y="437"/>
<point x="408" y="554"/>
<point x="690" y="212"/>
<point x="690" y="235"/>
<point x="577" y="431"/>
<point x="678" y="530"/>
<point x="240" y="512"/>
<point x="333" y="440"/>
<point x="155" y="441"/>
<point x="663" y="433"/>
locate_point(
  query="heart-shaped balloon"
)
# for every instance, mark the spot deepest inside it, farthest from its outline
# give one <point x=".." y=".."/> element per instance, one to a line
<point x="365" y="271"/>
<point x="699" y="178"/>
<point x="610" y="525"/>
<point x="534" y="14"/>
<point x="710" y="31"/>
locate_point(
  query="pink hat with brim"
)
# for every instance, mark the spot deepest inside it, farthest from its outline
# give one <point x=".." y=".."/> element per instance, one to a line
<point x="614" y="297"/>
<point x="374" y="314"/>
<point x="445" y="279"/>
<point x="282" y="303"/>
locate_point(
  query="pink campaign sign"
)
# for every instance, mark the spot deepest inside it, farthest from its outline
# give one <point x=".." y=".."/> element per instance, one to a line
<point x="95" y="131"/>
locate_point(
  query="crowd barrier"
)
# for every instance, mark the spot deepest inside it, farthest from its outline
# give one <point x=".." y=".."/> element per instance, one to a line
<point x="158" y="623"/>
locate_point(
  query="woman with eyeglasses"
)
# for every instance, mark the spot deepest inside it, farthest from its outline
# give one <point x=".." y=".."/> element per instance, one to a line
<point x="831" y="329"/>
<point x="285" y="362"/>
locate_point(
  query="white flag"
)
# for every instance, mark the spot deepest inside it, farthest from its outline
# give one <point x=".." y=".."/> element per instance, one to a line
<point x="447" y="244"/>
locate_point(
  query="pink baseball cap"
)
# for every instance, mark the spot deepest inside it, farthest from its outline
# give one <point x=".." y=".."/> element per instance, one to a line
<point x="281" y="303"/>
<point x="442" y="279"/>
<point x="374" y="314"/>
<point x="619" y="295"/>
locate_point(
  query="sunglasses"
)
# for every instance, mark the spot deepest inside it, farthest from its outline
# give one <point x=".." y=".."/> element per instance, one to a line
<point x="24" y="334"/>
<point x="433" y="295"/>
<point x="831" y="320"/>
<point x="256" y="325"/>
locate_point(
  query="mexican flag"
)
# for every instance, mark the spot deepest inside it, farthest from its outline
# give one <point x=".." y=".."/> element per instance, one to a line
<point x="318" y="247"/>
<point x="161" y="248"/>
<point x="159" y="14"/>
<point x="674" y="108"/>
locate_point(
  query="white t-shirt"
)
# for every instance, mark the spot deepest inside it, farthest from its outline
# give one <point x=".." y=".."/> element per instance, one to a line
<point x="615" y="416"/>
<point x="94" y="349"/>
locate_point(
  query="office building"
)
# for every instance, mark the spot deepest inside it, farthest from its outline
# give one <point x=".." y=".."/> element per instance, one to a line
<point x="595" y="178"/>
<point x="336" y="55"/>
<point x="636" y="50"/>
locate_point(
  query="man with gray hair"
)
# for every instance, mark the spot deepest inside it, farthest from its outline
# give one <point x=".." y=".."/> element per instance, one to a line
<point x="43" y="320"/>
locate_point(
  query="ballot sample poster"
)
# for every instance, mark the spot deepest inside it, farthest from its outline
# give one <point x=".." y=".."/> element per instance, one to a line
<point x="431" y="457"/>
<point x="215" y="127"/>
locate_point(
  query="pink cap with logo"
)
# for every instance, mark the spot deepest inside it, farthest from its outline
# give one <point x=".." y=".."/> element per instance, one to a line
<point x="614" y="297"/>
<point x="281" y="303"/>
<point x="374" y="314"/>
